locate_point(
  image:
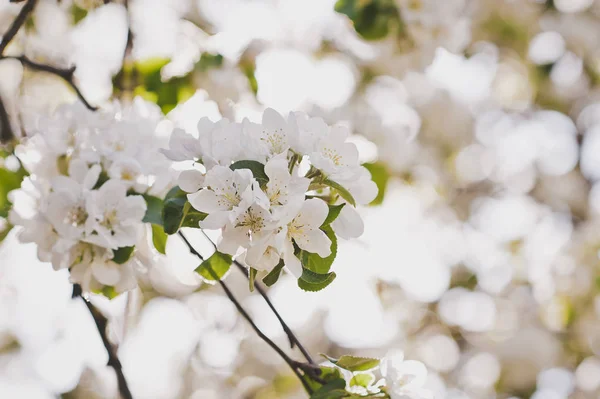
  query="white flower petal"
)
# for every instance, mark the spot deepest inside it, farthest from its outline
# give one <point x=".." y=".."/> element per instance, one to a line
<point x="348" y="224"/>
<point x="207" y="201"/>
<point x="191" y="180"/>
<point x="107" y="273"/>
<point x="315" y="241"/>
<point x="312" y="214"/>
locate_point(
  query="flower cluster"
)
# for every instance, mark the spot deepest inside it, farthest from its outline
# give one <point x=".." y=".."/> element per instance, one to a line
<point x="83" y="202"/>
<point x="280" y="190"/>
<point x="357" y="376"/>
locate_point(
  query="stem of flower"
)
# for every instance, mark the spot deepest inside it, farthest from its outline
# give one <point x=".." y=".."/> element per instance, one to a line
<point x="294" y="341"/>
<point x="290" y="362"/>
<point x="113" y="360"/>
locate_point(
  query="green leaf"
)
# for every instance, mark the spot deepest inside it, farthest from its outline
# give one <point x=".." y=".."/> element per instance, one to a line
<point x="314" y="262"/>
<point x="192" y="217"/>
<point x="154" y="207"/>
<point x="274" y="274"/>
<point x="345" y="194"/>
<point x="177" y="212"/>
<point x="316" y="286"/>
<point x="362" y="379"/>
<point x="334" y="212"/>
<point x="159" y="238"/>
<point x="314" y="278"/>
<point x="372" y="19"/>
<point x="251" y="277"/>
<point x="122" y="255"/>
<point x="332" y="390"/>
<point x="354" y="363"/>
<point x="173" y="213"/>
<point x="381" y="176"/>
<point x="218" y="263"/>
<point x="257" y="169"/>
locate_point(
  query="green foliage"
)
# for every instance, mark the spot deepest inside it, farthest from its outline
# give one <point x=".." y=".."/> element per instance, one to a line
<point x="274" y="274"/>
<point x="372" y="19"/>
<point x="122" y="254"/>
<point x="145" y="80"/>
<point x="362" y="379"/>
<point x="380" y="175"/>
<point x="154" y="207"/>
<point x="314" y="262"/>
<point x="214" y="267"/>
<point x="327" y="375"/>
<point x="177" y="212"/>
<point x="345" y="194"/>
<point x="354" y="363"/>
<point x="332" y="390"/>
<point x="311" y="281"/>
<point x="78" y="13"/>
<point x="159" y="238"/>
<point x="334" y="212"/>
<point x="257" y="169"/>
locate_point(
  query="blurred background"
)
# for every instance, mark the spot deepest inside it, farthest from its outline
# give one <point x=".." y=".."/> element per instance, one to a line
<point x="480" y="122"/>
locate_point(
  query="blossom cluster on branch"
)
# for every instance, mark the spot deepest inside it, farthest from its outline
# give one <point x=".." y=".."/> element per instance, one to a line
<point x="83" y="201"/>
<point x="282" y="190"/>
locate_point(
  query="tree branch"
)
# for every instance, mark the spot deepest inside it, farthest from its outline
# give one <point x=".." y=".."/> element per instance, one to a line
<point x="113" y="360"/>
<point x="17" y="24"/>
<point x="294" y="341"/>
<point x="65" y="74"/>
<point x="294" y="365"/>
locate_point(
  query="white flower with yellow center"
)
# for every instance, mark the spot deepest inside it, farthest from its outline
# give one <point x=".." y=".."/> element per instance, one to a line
<point x="66" y="204"/>
<point x="304" y="230"/>
<point x="405" y="378"/>
<point x="284" y="190"/>
<point x="335" y="157"/>
<point x="251" y="225"/>
<point x="115" y="219"/>
<point x="268" y="139"/>
<point x="223" y="192"/>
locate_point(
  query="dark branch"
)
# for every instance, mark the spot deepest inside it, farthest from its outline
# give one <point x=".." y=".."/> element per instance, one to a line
<point x="294" y="365"/>
<point x="113" y="360"/>
<point x="65" y="74"/>
<point x="294" y="341"/>
<point x="17" y="24"/>
<point x="6" y="131"/>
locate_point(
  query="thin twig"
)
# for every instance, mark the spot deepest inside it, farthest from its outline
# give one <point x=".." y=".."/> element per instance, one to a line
<point x="294" y="365"/>
<point x="113" y="360"/>
<point x="294" y="341"/>
<point x="65" y="74"/>
<point x="17" y="24"/>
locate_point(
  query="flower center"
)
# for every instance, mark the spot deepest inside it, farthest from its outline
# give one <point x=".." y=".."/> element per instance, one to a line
<point x="76" y="216"/>
<point x="333" y="155"/>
